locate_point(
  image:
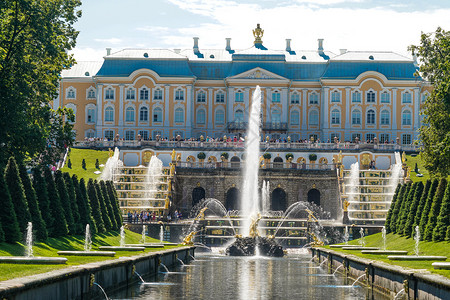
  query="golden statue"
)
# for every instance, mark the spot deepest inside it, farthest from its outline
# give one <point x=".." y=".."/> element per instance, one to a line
<point x="167" y="202"/>
<point x="110" y="152"/>
<point x="404" y="157"/>
<point x="311" y="217"/>
<point x="254" y="227"/>
<point x="173" y="155"/>
<point x="340" y="157"/>
<point x="189" y="239"/>
<point x="258" y="34"/>
<point x="201" y="215"/>
<point x="346" y="204"/>
<point x="316" y="241"/>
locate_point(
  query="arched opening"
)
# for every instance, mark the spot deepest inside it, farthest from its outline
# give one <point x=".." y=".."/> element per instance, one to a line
<point x="314" y="196"/>
<point x="235" y="162"/>
<point x="231" y="202"/>
<point x="198" y="194"/>
<point x="278" y="162"/>
<point x="278" y="201"/>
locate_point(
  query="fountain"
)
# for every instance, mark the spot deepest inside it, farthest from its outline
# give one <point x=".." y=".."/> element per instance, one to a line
<point x="87" y="248"/>
<point x="383" y="250"/>
<point x="153" y="178"/>
<point x="265" y="197"/>
<point x="122" y="246"/>
<point x="362" y="243"/>
<point x="111" y="164"/>
<point x="103" y="291"/>
<point x="416" y="255"/>
<point x="29" y="258"/>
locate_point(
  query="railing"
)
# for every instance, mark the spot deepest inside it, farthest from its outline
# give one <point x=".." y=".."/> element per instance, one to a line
<point x="274" y="126"/>
<point x="239" y="145"/>
<point x="236" y="126"/>
<point x="238" y="165"/>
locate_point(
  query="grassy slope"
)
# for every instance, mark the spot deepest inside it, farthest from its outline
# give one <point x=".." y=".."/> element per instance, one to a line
<point x="10" y="271"/>
<point x="396" y="242"/>
<point x="411" y="162"/>
<point x="76" y="157"/>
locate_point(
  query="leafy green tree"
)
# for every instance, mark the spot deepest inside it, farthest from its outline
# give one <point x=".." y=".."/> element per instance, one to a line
<point x="427" y="207"/>
<point x="447" y="235"/>
<point x="8" y="219"/>
<point x="405" y="209"/>
<point x="108" y="205"/>
<point x="39" y="225"/>
<point x="443" y="220"/>
<point x="423" y="200"/>
<point x="95" y="206"/>
<point x="65" y="201"/>
<point x="402" y="207"/>
<point x="59" y="224"/>
<point x="83" y="204"/>
<point x="409" y="225"/>
<point x="101" y="200"/>
<point x="73" y="203"/>
<point x="83" y="164"/>
<point x="34" y="38"/>
<point x="434" y="211"/>
<point x="17" y="193"/>
<point x="40" y="186"/>
<point x="114" y="202"/>
<point x="434" y="55"/>
<point x="387" y="224"/>
<point x="2" y="233"/>
<point x="97" y="164"/>
<point x="69" y="164"/>
<point x="396" y="209"/>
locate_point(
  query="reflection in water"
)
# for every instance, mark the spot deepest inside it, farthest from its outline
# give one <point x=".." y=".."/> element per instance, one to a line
<point x="246" y="278"/>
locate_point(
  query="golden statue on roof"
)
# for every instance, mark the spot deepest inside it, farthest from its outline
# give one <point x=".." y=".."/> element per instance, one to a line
<point x="258" y="34"/>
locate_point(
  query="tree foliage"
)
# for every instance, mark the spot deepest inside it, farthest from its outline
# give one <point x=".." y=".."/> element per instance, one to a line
<point x="104" y="210"/>
<point x="422" y="202"/>
<point x="396" y="209"/>
<point x="114" y="202"/>
<point x="108" y="205"/>
<point x="59" y="223"/>
<point x="40" y="186"/>
<point x="34" y="38"/>
<point x="435" y="208"/>
<point x="387" y="223"/>
<point x="7" y="214"/>
<point x="404" y="211"/>
<point x="409" y="225"/>
<point x="426" y="209"/>
<point x="95" y="205"/>
<point x="434" y="55"/>
<point x="65" y="201"/>
<point x="73" y="204"/>
<point x="83" y="204"/>
<point x="443" y="220"/>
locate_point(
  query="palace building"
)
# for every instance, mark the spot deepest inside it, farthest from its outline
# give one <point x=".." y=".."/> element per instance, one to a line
<point x="145" y="93"/>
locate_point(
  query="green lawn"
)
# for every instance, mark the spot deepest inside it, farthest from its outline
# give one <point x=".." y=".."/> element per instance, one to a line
<point x="76" y="157"/>
<point x="411" y="162"/>
<point x="396" y="242"/>
<point x="52" y="246"/>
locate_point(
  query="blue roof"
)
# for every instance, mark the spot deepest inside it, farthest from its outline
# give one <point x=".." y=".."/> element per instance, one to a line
<point x="351" y="70"/>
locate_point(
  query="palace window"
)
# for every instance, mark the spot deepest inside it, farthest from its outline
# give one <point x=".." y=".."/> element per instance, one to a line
<point x="143" y="134"/>
<point x="201" y="116"/>
<point x="276" y="116"/>
<point x="131" y="94"/>
<point x="178" y="133"/>
<point x="179" y="95"/>
<point x="109" y="114"/>
<point x="406" y="139"/>
<point x="295" y="117"/>
<point x="158" y="95"/>
<point x="356" y="136"/>
<point x="179" y="115"/>
<point x="90" y="116"/>
<point x="406" y="117"/>
<point x="89" y="133"/>
<point x="157" y="115"/>
<point x="356" y="117"/>
<point x="335" y="117"/>
<point x="91" y="94"/>
<point x="370" y="137"/>
<point x="406" y="97"/>
<point x="335" y="96"/>
<point x="143" y="94"/>
<point x="335" y="135"/>
<point x="109" y="94"/>
<point x="155" y="133"/>
<point x="129" y="135"/>
<point x="201" y="97"/>
<point x="313" y="98"/>
<point x="384" y="138"/>
<point x="239" y="115"/>
<point x="370" y="117"/>
<point x="143" y="114"/>
<point x="385" y="97"/>
<point x="276" y="97"/>
<point x="295" y="98"/>
<point x="385" y="117"/>
<point x="313" y="117"/>
<point x="109" y="134"/>
<point x="220" y="117"/>
<point x="71" y="93"/>
<point x="424" y="97"/>
<point x="356" y="97"/>
<point x="239" y="97"/>
<point x="220" y="97"/>
<point x="370" y="97"/>
<point x="129" y="114"/>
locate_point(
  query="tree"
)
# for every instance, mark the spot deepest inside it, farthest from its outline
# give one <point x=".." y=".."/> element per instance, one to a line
<point x="426" y="209"/>
<point x="59" y="223"/>
<point x="73" y="203"/>
<point x="409" y="225"/>
<point x="434" y="54"/>
<point x="396" y="209"/>
<point x="423" y="200"/>
<point x="434" y="211"/>
<point x="405" y="209"/>
<point x="101" y="200"/>
<point x="39" y="225"/>
<point x="40" y="186"/>
<point x="97" y="164"/>
<point x="401" y="208"/>
<point x="83" y="204"/>
<point x="34" y="39"/>
<point x="443" y="220"/>
<point x="95" y="206"/>
<point x="447" y="235"/>
<point x="387" y="224"/>
<point x="69" y="164"/>
<point x="8" y="219"/>
<point x="114" y="202"/>
<point x="83" y="164"/>
<point x="65" y="201"/>
<point x="17" y="193"/>
<point x="108" y="205"/>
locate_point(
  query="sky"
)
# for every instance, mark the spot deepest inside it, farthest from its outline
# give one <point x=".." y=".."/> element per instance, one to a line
<point x="355" y="25"/>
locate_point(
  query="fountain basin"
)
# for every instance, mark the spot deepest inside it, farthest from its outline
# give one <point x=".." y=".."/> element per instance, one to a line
<point x="145" y="245"/>
<point x="87" y="253"/>
<point x="248" y="246"/>
<point x="121" y="248"/>
<point x="416" y="257"/>
<point x="32" y="260"/>
<point x="360" y="248"/>
<point x="441" y="265"/>
<point x="385" y="252"/>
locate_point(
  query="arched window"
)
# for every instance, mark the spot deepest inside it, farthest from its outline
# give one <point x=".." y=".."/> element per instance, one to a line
<point x="314" y="117"/>
<point x="201" y="97"/>
<point x="276" y="97"/>
<point x="406" y="98"/>
<point x="129" y="114"/>
<point x="201" y="116"/>
<point x="143" y="94"/>
<point x="295" y="98"/>
<point x="179" y="115"/>
<point x="239" y="115"/>
<point x="71" y="93"/>
<point x="313" y="98"/>
<point x="90" y="116"/>
<point x="335" y="116"/>
<point x="406" y="117"/>
<point x="158" y="94"/>
<point x="276" y="116"/>
<point x="385" y="97"/>
<point x="370" y="97"/>
<point x="356" y="117"/>
<point x="385" y="117"/>
<point x="157" y="115"/>
<point x="109" y="94"/>
<point x="356" y="97"/>
<point x="295" y="117"/>
<point x="335" y="96"/>
<point x="220" y="117"/>
<point x="143" y="114"/>
<point x="131" y="94"/>
<point x="371" y="117"/>
<point x="220" y="97"/>
<point x="109" y="114"/>
<point x="239" y="96"/>
<point x="91" y="94"/>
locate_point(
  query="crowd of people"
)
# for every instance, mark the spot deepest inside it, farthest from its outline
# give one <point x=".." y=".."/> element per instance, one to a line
<point x="147" y="217"/>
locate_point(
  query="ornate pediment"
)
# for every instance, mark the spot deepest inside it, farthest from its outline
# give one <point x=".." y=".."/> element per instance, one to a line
<point x="258" y="73"/>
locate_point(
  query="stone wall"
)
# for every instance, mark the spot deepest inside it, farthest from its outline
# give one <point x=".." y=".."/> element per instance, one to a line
<point x="294" y="182"/>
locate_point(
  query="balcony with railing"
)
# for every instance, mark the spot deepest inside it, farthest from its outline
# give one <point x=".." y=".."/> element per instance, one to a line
<point x="274" y="126"/>
<point x="237" y="126"/>
<point x="270" y="165"/>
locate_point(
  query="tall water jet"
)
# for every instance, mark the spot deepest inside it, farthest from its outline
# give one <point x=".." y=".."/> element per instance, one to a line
<point x="111" y="164"/>
<point x="383" y="235"/>
<point x="265" y="197"/>
<point x="153" y="178"/>
<point x="354" y="181"/>
<point x="143" y="234"/>
<point x="346" y="235"/>
<point x="29" y="241"/>
<point x="250" y="201"/>
<point x="122" y="236"/>
<point x="395" y="173"/>
<point x="87" y="239"/>
<point x="362" y="241"/>
<point x="417" y="240"/>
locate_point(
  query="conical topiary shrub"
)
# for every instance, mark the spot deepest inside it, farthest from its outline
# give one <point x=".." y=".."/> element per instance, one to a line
<point x="395" y="211"/>
<point x="65" y="201"/>
<point x="423" y="200"/>
<point x="101" y="201"/>
<point x="435" y="209"/>
<point x="443" y="219"/>
<point x="83" y="204"/>
<point x="95" y="206"/>
<point x="79" y="228"/>
<point x="405" y="209"/>
<point x="427" y="207"/>
<point x="59" y="224"/>
<point x="8" y="219"/>
<point x="387" y="223"/>
<point x="40" y="186"/>
<point x="409" y="226"/>
<point x="108" y="205"/>
<point x="114" y="202"/>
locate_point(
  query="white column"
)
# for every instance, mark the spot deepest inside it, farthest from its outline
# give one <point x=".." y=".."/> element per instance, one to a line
<point x="284" y="105"/>
<point x="189" y="109"/>
<point x="394" y="111"/>
<point x="99" y="124"/>
<point x="416" y="107"/>
<point x="246" y="103"/>
<point x="304" y="108"/>
<point x="347" y="109"/>
<point x="166" y="108"/>
<point x="230" y="104"/>
<point x="268" y="102"/>
<point x="210" y="110"/>
<point x="324" y="108"/>
<point x="121" y="94"/>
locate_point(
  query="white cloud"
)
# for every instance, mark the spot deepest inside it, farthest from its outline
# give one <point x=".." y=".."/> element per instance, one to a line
<point x="154" y="29"/>
<point x="112" y="41"/>
<point x="88" y="54"/>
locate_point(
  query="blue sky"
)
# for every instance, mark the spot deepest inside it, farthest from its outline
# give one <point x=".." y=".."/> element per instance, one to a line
<point x="344" y="24"/>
